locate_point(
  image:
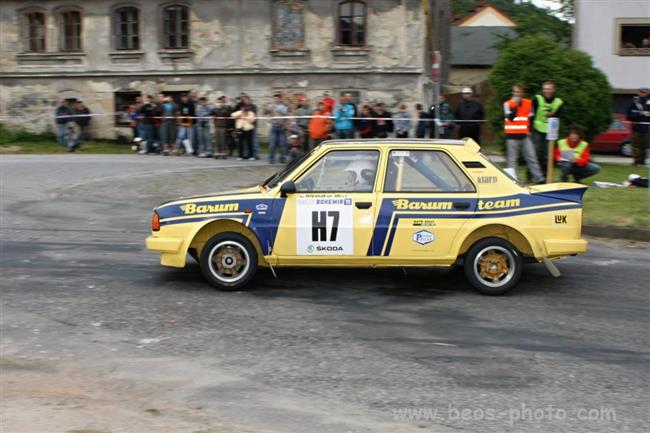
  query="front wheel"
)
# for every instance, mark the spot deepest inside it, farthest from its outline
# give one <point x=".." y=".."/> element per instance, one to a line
<point x="228" y="261"/>
<point x="493" y="266"/>
<point x="626" y="149"/>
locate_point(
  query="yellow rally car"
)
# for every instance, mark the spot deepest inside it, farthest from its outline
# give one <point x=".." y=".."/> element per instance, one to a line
<point x="372" y="203"/>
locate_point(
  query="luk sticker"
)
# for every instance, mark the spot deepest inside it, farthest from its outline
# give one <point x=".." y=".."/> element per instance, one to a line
<point x="324" y="226"/>
<point x="423" y="237"/>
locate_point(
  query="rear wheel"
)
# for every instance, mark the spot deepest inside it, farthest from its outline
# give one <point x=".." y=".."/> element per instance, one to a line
<point x="228" y="261"/>
<point x="493" y="266"/>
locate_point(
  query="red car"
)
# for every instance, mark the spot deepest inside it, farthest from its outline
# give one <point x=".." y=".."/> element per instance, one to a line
<point x="616" y="138"/>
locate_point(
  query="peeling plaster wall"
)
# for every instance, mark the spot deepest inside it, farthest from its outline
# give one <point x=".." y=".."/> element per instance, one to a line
<point x="231" y="51"/>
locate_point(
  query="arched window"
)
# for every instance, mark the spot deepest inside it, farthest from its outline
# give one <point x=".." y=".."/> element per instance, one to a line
<point x="351" y="29"/>
<point x="176" y="27"/>
<point x="127" y="28"/>
<point x="34" y="32"/>
<point x="70" y="30"/>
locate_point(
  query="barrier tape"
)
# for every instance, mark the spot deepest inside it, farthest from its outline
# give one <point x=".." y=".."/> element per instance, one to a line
<point x="178" y="118"/>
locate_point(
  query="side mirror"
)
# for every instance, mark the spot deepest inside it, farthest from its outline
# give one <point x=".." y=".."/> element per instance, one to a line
<point x="287" y="187"/>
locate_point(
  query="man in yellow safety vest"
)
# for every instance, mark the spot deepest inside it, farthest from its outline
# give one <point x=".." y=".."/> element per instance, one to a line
<point x="572" y="153"/>
<point x="544" y="106"/>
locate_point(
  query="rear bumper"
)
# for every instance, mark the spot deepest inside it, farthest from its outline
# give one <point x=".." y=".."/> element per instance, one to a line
<point x="557" y="248"/>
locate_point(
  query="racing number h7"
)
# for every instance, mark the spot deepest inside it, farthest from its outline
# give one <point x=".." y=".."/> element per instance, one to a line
<point x="319" y="225"/>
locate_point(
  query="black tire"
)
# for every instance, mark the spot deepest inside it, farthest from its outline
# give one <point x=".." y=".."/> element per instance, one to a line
<point x="192" y="252"/>
<point x="238" y="263"/>
<point x="626" y="149"/>
<point x="493" y="252"/>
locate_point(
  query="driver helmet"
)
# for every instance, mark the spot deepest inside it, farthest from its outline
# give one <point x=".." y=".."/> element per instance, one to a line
<point x="363" y="170"/>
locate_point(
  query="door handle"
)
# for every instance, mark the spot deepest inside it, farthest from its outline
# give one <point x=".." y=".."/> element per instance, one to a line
<point x="363" y="204"/>
<point x="461" y="205"/>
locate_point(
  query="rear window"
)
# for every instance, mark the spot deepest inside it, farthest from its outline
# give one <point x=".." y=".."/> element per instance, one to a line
<point x="424" y="171"/>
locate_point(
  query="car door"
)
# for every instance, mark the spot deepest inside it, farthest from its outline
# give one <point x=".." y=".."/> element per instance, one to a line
<point x="330" y="217"/>
<point x="426" y="199"/>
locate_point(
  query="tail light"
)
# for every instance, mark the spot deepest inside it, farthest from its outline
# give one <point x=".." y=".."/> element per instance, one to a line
<point x="155" y="222"/>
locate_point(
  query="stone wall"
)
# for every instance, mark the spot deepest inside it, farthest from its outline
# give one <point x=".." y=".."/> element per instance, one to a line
<point x="231" y="50"/>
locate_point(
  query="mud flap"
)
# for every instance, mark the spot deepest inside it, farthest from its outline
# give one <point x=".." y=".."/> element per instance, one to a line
<point x="550" y="267"/>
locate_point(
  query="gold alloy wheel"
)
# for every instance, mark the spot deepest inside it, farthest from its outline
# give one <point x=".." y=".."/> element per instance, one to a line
<point x="494" y="266"/>
<point x="229" y="261"/>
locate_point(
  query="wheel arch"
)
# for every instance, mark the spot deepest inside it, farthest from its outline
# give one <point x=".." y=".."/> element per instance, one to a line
<point x="510" y="234"/>
<point x="212" y="228"/>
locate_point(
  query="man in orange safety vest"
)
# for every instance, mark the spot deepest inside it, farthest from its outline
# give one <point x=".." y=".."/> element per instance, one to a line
<point x="517" y="115"/>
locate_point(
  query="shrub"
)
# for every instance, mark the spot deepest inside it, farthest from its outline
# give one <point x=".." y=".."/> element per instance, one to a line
<point x="531" y="60"/>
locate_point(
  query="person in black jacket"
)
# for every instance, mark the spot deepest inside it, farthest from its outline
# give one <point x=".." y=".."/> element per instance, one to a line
<point x="148" y="113"/>
<point x="62" y="118"/>
<point x="365" y="125"/>
<point x="423" y="123"/>
<point x="186" y="113"/>
<point x="639" y="113"/>
<point x="469" y="109"/>
<point x="82" y="118"/>
<point x="383" y="123"/>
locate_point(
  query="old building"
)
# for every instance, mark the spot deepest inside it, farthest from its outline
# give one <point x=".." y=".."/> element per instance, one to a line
<point x="473" y="50"/>
<point x="617" y="36"/>
<point x="106" y="52"/>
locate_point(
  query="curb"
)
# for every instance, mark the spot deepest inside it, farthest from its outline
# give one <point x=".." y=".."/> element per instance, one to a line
<point x="634" y="234"/>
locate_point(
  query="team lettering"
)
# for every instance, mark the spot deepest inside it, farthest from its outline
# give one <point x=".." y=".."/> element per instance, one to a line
<point x="498" y="204"/>
<point x="404" y="204"/>
<point x="193" y="208"/>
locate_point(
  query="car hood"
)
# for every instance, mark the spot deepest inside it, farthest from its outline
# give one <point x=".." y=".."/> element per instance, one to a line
<point x="243" y="193"/>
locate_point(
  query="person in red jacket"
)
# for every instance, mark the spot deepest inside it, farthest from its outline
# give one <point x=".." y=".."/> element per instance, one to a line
<point x="572" y="153"/>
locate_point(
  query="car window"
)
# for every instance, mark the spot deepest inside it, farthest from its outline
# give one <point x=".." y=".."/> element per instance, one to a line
<point x="424" y="171"/>
<point x="341" y="170"/>
<point x="617" y="125"/>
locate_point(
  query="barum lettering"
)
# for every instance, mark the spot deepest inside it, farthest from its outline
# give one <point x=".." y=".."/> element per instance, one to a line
<point x="405" y="204"/>
<point x="193" y="208"/>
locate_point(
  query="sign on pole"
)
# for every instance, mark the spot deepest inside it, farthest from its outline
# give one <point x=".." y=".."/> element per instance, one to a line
<point x="552" y="134"/>
<point x="553" y="131"/>
<point x="436" y="62"/>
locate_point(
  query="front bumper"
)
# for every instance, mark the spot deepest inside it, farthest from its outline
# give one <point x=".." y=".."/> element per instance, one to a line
<point x="171" y="250"/>
<point x="557" y="248"/>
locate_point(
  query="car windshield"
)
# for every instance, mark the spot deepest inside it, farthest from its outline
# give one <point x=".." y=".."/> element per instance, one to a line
<point x="278" y="177"/>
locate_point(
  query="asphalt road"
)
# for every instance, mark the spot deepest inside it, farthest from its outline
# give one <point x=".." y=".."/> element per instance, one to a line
<point x="97" y="336"/>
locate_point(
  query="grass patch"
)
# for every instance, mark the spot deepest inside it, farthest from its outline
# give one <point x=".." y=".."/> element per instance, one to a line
<point x="624" y="207"/>
<point x="52" y="147"/>
<point x="617" y="206"/>
<point x="8" y="137"/>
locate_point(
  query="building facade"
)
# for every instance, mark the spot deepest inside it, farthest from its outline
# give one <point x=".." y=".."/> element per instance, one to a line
<point x="473" y="50"/>
<point x="106" y="52"/>
<point x="616" y="33"/>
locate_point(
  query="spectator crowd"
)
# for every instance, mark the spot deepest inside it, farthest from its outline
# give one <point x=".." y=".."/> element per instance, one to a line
<point x="223" y="128"/>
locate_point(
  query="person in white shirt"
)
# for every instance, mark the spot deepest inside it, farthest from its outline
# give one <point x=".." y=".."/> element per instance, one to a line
<point x="245" y="124"/>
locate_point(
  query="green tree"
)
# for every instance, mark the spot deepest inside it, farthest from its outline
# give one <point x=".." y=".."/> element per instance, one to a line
<point x="531" y="60"/>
